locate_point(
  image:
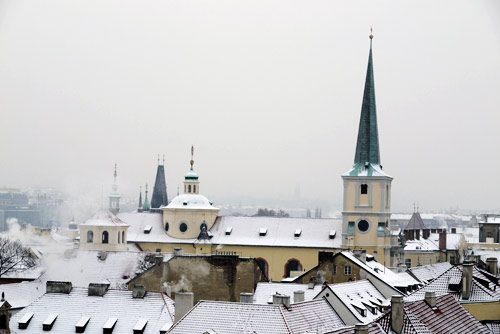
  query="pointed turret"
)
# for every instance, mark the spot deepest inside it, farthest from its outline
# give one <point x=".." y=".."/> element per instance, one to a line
<point x="146" y="206"/>
<point x="367" y="148"/>
<point x="139" y="207"/>
<point x="159" y="197"/>
<point x="114" y="195"/>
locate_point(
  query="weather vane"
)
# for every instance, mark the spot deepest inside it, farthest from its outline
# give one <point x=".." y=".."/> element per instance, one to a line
<point x="371" y="32"/>
<point x="192" y="155"/>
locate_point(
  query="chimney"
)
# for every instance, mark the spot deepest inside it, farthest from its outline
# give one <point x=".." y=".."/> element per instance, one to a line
<point x="466" y="280"/>
<point x="360" y="329"/>
<point x="298" y="296"/>
<point x="98" y="289"/>
<point x="360" y="254"/>
<point x="178" y="252"/>
<point x="442" y="240"/>
<point x="59" y="287"/>
<point x="281" y="299"/>
<point x="183" y="303"/>
<point x="246" y="298"/>
<point x="139" y="291"/>
<point x="492" y="263"/>
<point x="397" y="313"/>
<point x="430" y="299"/>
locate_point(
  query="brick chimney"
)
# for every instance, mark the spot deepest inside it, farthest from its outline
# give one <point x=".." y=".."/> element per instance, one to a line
<point x="492" y="263"/>
<point x="298" y="296"/>
<point x="466" y="280"/>
<point x="281" y="299"/>
<point x="397" y="313"/>
<point x="442" y="240"/>
<point x="430" y="299"/>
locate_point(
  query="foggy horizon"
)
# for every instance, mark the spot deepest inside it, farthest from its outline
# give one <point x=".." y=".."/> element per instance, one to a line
<point x="270" y="99"/>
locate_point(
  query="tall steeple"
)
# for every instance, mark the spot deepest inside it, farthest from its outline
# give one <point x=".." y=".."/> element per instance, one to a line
<point x="367" y="147"/>
<point x="114" y="195"/>
<point x="159" y="197"/>
<point x="139" y="207"/>
<point x="146" y="206"/>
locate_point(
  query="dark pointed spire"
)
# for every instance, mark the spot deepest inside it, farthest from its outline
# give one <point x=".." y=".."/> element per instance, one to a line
<point x="159" y="197"/>
<point x="140" y="197"/>
<point x="367" y="147"/>
<point x="146" y="206"/>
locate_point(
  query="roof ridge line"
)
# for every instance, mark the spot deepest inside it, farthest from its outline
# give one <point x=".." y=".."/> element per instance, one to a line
<point x="284" y="320"/>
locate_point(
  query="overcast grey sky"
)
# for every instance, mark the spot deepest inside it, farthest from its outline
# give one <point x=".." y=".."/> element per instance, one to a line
<point x="269" y="92"/>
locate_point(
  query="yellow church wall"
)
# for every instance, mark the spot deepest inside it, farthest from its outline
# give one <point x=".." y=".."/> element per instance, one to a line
<point x="376" y="189"/>
<point x="484" y="310"/>
<point x="193" y="218"/>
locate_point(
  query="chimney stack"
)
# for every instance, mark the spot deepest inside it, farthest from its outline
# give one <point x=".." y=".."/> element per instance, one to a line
<point x="281" y="299"/>
<point x="246" y="298"/>
<point x="178" y="252"/>
<point x="466" y="280"/>
<point x="298" y="296"/>
<point x="98" y="289"/>
<point x="183" y="303"/>
<point x="442" y="240"/>
<point x="397" y="313"/>
<point x="58" y="287"/>
<point x="430" y="299"/>
<point x="492" y="263"/>
<point x="139" y="291"/>
<point x="360" y="254"/>
<point x="360" y="329"/>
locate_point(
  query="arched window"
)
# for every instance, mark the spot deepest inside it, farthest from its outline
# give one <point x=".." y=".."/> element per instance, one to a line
<point x="364" y="189"/>
<point x="105" y="237"/>
<point x="123" y="237"/>
<point x="90" y="236"/>
<point x="292" y="265"/>
<point x="3" y="321"/>
<point x="263" y="265"/>
<point x="194" y="188"/>
<point x="189" y="189"/>
<point x="118" y="236"/>
<point x="166" y="226"/>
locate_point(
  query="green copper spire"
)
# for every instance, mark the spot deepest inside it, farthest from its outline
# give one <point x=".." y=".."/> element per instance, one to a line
<point x="367" y="149"/>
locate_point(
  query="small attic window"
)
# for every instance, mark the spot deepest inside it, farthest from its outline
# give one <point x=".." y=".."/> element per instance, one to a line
<point x="263" y="231"/>
<point x="332" y="234"/>
<point x="229" y="230"/>
<point x="147" y="229"/>
<point x="361" y="310"/>
<point x="109" y="326"/>
<point x="297" y="233"/>
<point x="82" y="324"/>
<point x="185" y="203"/>
<point x="49" y="321"/>
<point x="25" y="320"/>
<point x="140" y="326"/>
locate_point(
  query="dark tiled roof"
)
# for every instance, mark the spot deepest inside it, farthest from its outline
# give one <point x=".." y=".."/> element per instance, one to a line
<point x="159" y="197"/>
<point x="450" y="317"/>
<point x="416" y="222"/>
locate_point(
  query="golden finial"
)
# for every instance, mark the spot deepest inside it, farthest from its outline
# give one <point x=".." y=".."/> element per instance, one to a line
<point x="192" y="154"/>
<point x="371" y="33"/>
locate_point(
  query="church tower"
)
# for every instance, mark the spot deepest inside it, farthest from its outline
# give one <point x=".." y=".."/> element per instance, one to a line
<point x="159" y="197"/>
<point x="114" y="196"/>
<point x="367" y="188"/>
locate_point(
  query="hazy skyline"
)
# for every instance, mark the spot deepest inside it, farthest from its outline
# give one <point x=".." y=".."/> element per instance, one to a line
<point x="268" y="92"/>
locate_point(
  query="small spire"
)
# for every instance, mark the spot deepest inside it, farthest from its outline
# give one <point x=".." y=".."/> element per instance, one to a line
<point x="140" y="197"/>
<point x="177" y="190"/>
<point x="164" y="160"/>
<point x="371" y="33"/>
<point x="146" y="206"/>
<point x="115" y="172"/>
<point x="192" y="156"/>
<point x="158" y="159"/>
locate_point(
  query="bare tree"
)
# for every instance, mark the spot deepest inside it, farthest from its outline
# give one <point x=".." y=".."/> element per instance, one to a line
<point x="14" y="257"/>
<point x="145" y="262"/>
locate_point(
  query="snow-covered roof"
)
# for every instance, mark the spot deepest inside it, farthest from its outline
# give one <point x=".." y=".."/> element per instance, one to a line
<point x="138" y="222"/>
<point x="104" y="218"/>
<point x="244" y="231"/>
<point x="429" y="272"/>
<point x="280" y="232"/>
<point x="22" y="294"/>
<point x="362" y="299"/>
<point x="373" y="170"/>
<point x="83" y="267"/>
<point x="315" y="316"/>
<point x="191" y="201"/>
<point x="264" y="291"/>
<point x="422" y="245"/>
<point x="156" y="308"/>
<point x="378" y="270"/>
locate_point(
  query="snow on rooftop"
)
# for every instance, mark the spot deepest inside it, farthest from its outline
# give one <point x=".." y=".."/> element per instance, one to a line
<point x="429" y="272"/>
<point x="155" y="308"/>
<point x="22" y="294"/>
<point x="104" y="218"/>
<point x="191" y="201"/>
<point x="264" y="291"/>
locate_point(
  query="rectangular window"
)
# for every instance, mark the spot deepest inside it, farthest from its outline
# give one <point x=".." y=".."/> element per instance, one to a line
<point x="381" y="228"/>
<point x="334" y="270"/>
<point x="408" y="263"/>
<point x="350" y="227"/>
<point x="347" y="270"/>
<point x="364" y="189"/>
<point x="490" y="235"/>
